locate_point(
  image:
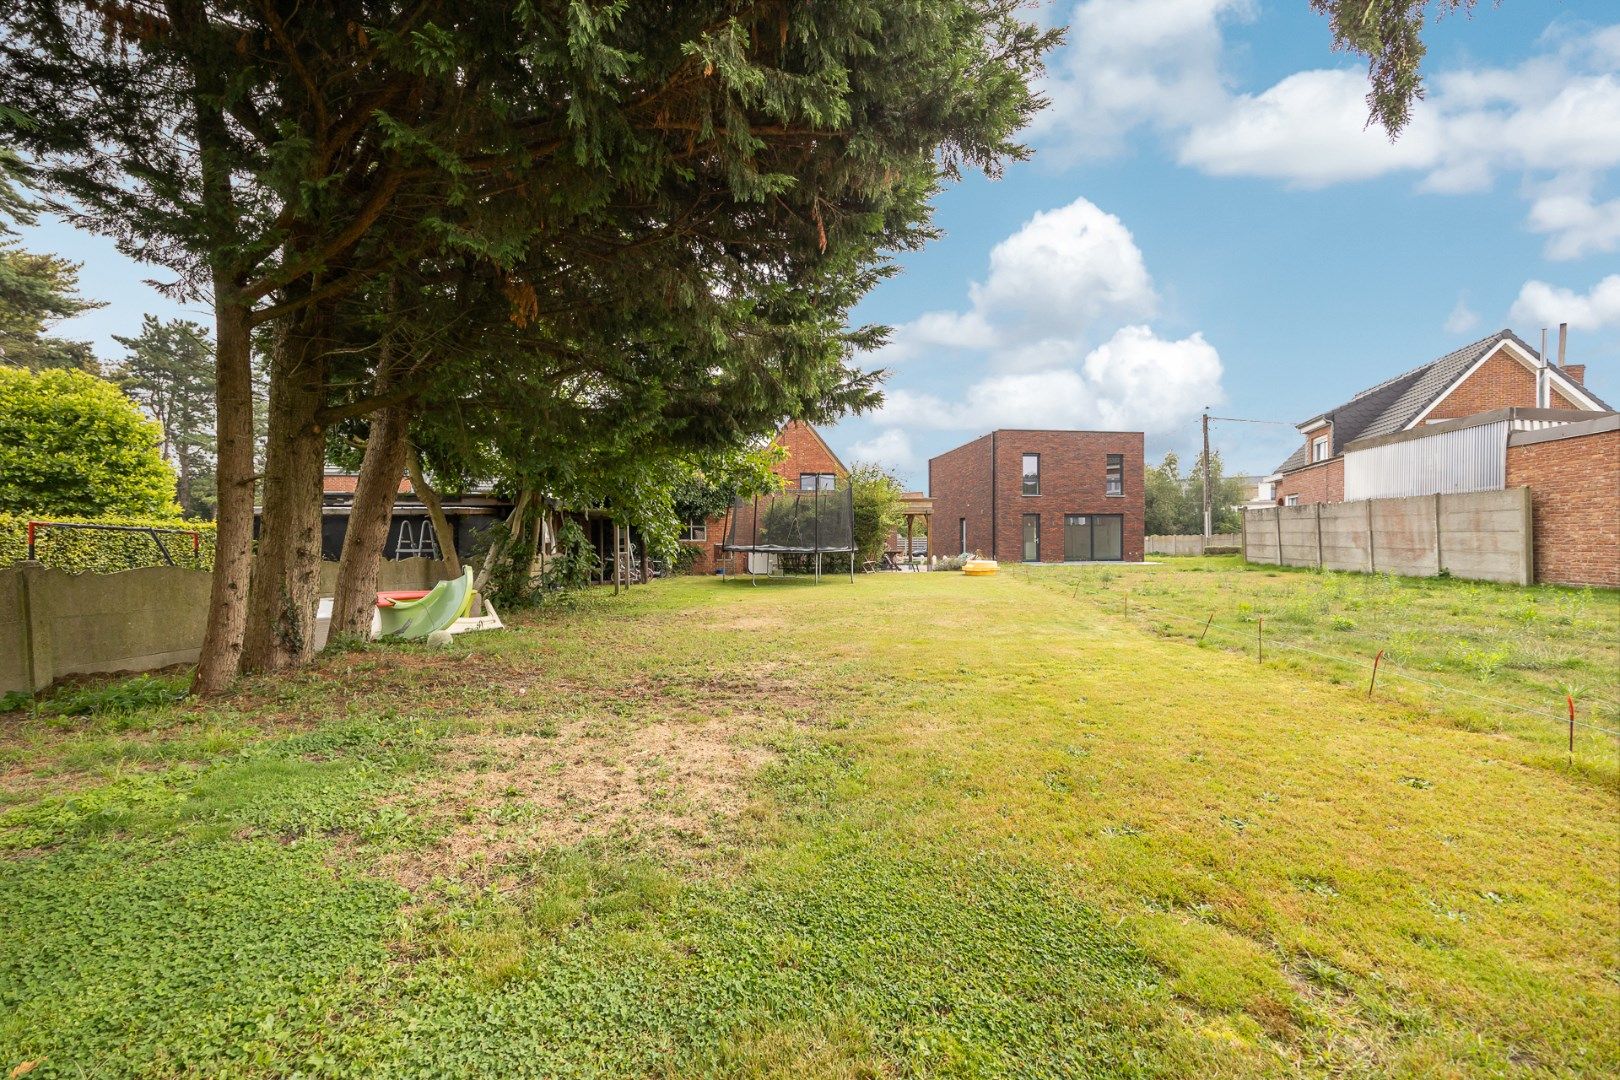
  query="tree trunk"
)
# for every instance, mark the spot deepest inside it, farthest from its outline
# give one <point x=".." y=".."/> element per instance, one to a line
<point x="287" y="572"/>
<point x="435" y="508"/>
<point x="514" y="522"/>
<point x="369" y="518"/>
<point x="233" y="537"/>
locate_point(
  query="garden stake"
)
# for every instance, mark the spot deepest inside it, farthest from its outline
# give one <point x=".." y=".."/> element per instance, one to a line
<point x="1374" y="682"/>
<point x="1206" y="627"/>
<point x="1571" y="699"/>
<point x="1260" y="636"/>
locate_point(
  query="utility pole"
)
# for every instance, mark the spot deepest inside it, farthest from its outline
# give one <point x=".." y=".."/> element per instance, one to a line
<point x="1208" y="523"/>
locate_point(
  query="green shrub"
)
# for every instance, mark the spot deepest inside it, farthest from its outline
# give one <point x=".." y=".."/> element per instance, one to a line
<point x="92" y="551"/>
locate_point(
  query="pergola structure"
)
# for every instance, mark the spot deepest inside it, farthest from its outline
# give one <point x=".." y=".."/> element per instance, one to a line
<point x="914" y="505"/>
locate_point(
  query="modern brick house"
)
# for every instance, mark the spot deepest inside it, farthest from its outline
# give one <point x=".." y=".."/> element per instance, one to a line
<point x="1040" y="496"/>
<point x="810" y="464"/>
<point x="1497" y="372"/>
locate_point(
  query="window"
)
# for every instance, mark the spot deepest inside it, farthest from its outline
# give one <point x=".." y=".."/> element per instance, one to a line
<point x="961" y="534"/>
<point x="1319" y="448"/>
<point x="1032" y="538"/>
<point x="816" y="481"/>
<point x="1116" y="474"/>
<point x="696" y="529"/>
<point x="1290" y="500"/>
<point x="1032" y="474"/>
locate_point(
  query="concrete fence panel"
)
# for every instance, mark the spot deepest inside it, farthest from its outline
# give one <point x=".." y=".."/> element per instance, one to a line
<point x="1346" y="541"/>
<point x="53" y="623"/>
<point x="15" y="670"/>
<point x="1298" y="536"/>
<point x="1404" y="536"/>
<point x="1480" y="535"/>
<point x="1185" y="544"/>
<point x="1260" y="535"/>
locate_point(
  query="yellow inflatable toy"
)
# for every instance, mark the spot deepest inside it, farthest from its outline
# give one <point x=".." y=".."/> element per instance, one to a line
<point x="979" y="567"/>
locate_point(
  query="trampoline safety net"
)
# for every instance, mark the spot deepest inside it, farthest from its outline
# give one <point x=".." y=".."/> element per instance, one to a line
<point x="794" y="523"/>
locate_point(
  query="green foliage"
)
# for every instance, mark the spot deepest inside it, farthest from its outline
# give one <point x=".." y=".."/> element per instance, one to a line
<point x="82" y="551"/>
<point x="1389" y="33"/>
<point x="128" y="696"/>
<point x="70" y="443"/>
<point x="511" y="582"/>
<point x="1175" y="503"/>
<point x="876" y="495"/>
<point x="36" y="291"/>
<point x="168" y="369"/>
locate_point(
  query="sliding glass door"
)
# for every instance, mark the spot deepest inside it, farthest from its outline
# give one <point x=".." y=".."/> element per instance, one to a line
<point x="1093" y="537"/>
<point x="1032" y="538"/>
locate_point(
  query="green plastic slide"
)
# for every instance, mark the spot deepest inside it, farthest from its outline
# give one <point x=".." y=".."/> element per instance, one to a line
<point x="408" y="620"/>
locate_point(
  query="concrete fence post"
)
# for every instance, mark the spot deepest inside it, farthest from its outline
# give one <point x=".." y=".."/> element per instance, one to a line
<point x="1439" y="549"/>
<point x="36" y="628"/>
<point x="1372" y="555"/>
<point x="1319" y="536"/>
<point x="1278" y="519"/>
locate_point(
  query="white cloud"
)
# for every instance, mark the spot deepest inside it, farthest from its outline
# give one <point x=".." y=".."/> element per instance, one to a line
<point x="1065" y="267"/>
<point x="891" y="448"/>
<point x="1132" y="62"/>
<point x="1462" y="318"/>
<point x="1542" y="304"/>
<point x="1576" y="224"/>
<point x="1061" y="272"/>
<point x="1160" y="65"/>
<point x="1309" y="129"/>
<point x="1135" y="381"/>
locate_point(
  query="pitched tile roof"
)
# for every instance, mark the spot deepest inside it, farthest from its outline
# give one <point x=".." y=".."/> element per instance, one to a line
<point x="1394" y="403"/>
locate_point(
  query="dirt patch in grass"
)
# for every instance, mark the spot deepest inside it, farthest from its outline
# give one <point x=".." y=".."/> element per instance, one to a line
<point x="668" y="787"/>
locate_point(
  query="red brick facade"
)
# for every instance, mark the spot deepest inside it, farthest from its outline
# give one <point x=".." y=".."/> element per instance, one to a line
<point x="979" y="484"/>
<point x="1575" y="506"/>
<point x="807" y="452"/>
<point x="1500" y="382"/>
<point x="1322" y="482"/>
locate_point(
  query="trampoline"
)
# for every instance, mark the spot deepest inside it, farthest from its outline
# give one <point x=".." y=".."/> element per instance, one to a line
<point x="808" y="523"/>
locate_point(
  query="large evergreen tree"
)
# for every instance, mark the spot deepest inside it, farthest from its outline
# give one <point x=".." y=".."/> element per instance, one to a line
<point x="284" y="155"/>
<point x="35" y="292"/>
<point x="168" y="369"/>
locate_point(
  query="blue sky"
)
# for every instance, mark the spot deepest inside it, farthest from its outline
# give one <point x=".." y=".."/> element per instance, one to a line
<point x="1205" y="222"/>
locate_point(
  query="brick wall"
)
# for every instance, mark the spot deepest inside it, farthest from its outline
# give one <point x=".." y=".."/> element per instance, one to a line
<point x="1323" y="482"/>
<point x="1073" y="480"/>
<point x="1575" y="503"/>
<point x="806" y="453"/>
<point x="959" y="483"/>
<point x="1500" y="382"/>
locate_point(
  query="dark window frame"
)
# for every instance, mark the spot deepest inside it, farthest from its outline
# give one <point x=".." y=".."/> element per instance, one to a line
<point x="823" y="481"/>
<point x="1024" y="475"/>
<point x="691" y="529"/>
<point x="1114" y="476"/>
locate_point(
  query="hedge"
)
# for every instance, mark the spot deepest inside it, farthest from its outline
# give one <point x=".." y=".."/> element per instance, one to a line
<point x="93" y="551"/>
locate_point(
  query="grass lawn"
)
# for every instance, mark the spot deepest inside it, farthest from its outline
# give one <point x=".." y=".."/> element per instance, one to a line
<point x="918" y="825"/>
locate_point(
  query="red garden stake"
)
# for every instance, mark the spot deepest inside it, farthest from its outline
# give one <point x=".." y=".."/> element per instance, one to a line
<point x="1206" y="627"/>
<point x="1374" y="682"/>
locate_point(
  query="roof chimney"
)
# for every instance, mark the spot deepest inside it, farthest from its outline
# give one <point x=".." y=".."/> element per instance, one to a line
<point x="1563" y="341"/>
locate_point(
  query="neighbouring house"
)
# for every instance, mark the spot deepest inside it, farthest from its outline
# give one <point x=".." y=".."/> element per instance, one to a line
<point x="1041" y="496"/>
<point x="410" y="533"/>
<point x="810" y="465"/>
<point x="1497" y="372"/>
<point x="1488" y="417"/>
